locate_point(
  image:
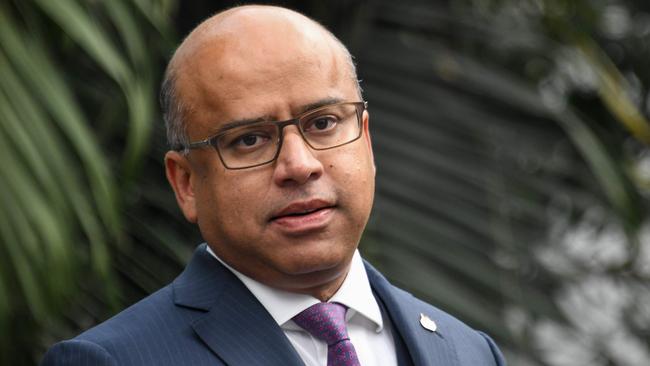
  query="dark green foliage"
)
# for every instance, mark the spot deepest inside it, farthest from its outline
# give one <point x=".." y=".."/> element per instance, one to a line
<point x="512" y="166"/>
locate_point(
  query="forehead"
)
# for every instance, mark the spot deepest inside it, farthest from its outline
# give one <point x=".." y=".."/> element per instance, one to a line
<point x="271" y="68"/>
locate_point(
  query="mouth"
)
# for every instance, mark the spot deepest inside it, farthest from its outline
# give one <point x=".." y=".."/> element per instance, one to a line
<point x="304" y="208"/>
<point x="304" y="216"/>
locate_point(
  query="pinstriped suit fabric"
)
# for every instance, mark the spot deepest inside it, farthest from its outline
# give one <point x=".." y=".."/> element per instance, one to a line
<point x="208" y="317"/>
<point x="244" y="334"/>
<point x="454" y="343"/>
<point x="82" y="353"/>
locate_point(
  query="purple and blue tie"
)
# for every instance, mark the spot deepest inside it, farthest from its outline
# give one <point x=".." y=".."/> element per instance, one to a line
<point x="326" y="321"/>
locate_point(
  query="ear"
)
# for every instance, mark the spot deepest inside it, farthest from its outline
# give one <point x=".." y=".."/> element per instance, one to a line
<point x="365" y="119"/>
<point x="180" y="176"/>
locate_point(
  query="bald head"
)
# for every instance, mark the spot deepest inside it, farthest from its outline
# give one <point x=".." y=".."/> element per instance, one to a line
<point x="246" y="40"/>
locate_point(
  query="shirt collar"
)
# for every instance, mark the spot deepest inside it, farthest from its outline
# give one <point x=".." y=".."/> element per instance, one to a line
<point x="355" y="293"/>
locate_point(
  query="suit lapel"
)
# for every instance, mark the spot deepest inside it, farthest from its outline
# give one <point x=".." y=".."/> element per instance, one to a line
<point x="425" y="347"/>
<point x="234" y="325"/>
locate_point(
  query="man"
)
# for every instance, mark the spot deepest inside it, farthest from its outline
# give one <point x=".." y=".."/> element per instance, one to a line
<point x="281" y="206"/>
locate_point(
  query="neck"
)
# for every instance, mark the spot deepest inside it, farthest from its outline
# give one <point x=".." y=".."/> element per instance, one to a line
<point x="326" y="291"/>
<point x="321" y="285"/>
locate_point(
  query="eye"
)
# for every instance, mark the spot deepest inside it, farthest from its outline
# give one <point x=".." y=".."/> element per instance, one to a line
<point x="250" y="140"/>
<point x="246" y="140"/>
<point x="320" y="124"/>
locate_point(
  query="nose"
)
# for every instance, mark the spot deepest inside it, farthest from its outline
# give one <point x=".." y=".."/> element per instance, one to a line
<point x="296" y="163"/>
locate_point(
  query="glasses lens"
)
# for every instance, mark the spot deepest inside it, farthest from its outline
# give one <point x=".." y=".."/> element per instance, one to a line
<point x="248" y="145"/>
<point x="324" y="128"/>
<point x="331" y="126"/>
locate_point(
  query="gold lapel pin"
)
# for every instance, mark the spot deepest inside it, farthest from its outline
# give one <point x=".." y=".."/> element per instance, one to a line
<point x="427" y="323"/>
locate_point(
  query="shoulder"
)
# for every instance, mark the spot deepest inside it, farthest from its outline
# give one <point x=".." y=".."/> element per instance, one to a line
<point x="159" y="329"/>
<point x="472" y="347"/>
<point x="77" y="352"/>
<point x="149" y="327"/>
<point x="467" y="346"/>
<point x="135" y="322"/>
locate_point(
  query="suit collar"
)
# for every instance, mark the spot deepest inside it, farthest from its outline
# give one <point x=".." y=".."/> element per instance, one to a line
<point x="234" y="325"/>
<point x="355" y="293"/>
<point x="201" y="283"/>
<point x="425" y="347"/>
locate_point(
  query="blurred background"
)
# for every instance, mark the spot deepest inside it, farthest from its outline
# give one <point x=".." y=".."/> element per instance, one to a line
<point x="511" y="140"/>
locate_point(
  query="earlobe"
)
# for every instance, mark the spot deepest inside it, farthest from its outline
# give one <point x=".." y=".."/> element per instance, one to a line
<point x="179" y="174"/>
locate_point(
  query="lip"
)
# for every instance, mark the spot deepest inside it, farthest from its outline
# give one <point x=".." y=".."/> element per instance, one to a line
<point x="303" y="217"/>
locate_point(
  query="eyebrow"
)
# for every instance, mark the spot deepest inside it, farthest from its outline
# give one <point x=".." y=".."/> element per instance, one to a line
<point x="305" y="108"/>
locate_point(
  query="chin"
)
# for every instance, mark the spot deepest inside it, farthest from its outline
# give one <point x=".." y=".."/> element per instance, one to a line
<point x="317" y="261"/>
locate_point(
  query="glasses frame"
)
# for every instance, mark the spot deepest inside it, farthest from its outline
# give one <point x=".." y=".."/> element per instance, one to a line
<point x="212" y="140"/>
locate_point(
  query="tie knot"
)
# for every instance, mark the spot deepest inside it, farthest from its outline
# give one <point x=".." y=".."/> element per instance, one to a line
<point x="325" y="321"/>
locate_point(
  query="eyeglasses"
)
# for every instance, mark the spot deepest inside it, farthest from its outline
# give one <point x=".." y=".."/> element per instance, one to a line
<point x="258" y="143"/>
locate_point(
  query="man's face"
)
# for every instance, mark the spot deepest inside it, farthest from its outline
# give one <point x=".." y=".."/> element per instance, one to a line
<point x="254" y="219"/>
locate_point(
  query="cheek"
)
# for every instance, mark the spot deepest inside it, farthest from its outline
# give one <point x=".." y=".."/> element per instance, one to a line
<point x="214" y="199"/>
<point x="233" y="201"/>
<point x="354" y="174"/>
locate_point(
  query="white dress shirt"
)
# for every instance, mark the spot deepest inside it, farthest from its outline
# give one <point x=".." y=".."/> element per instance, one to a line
<point x="369" y="331"/>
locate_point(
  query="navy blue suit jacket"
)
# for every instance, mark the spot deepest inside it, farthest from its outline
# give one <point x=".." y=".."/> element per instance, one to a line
<point x="207" y="316"/>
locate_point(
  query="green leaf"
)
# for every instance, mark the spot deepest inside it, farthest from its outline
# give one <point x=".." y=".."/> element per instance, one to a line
<point x="33" y="65"/>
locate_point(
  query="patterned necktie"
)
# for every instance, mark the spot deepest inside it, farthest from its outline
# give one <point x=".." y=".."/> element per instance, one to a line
<point x="326" y="321"/>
